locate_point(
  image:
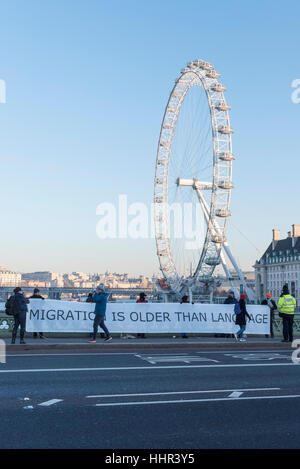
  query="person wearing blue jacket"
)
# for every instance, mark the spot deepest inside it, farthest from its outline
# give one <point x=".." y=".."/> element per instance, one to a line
<point x="100" y="300"/>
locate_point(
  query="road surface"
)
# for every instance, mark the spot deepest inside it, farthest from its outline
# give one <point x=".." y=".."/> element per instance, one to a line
<point x="150" y="399"/>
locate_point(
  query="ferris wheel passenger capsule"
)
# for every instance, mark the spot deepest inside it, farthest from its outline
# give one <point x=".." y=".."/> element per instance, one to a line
<point x="222" y="106"/>
<point x="212" y="261"/>
<point x="162" y="253"/>
<point x="226" y="156"/>
<point x="213" y="74"/>
<point x="218" y="239"/>
<point x="159" y="180"/>
<point x="225" y="185"/>
<point x="218" y="88"/>
<point x="206" y="66"/>
<point x="171" y="109"/>
<point x="223" y="213"/>
<point x="198" y="62"/>
<point x="225" y="130"/>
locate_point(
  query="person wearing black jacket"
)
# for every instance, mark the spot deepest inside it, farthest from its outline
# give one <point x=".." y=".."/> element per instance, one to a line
<point x="240" y="319"/>
<point x="272" y="305"/>
<point x="36" y="294"/>
<point x="89" y="298"/>
<point x="20" y="306"/>
<point x="184" y="299"/>
<point x="230" y="300"/>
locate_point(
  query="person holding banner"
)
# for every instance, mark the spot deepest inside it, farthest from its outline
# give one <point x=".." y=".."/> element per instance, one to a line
<point x="36" y="295"/>
<point x="100" y="298"/>
<point x="272" y="306"/>
<point x="20" y="312"/>
<point x="142" y="299"/>
<point x="241" y="313"/>
<point x="184" y="299"/>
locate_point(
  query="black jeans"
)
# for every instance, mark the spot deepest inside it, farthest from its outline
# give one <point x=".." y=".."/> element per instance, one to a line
<point x="271" y="326"/>
<point x="20" y="320"/>
<point x="99" y="321"/>
<point x="287" y="324"/>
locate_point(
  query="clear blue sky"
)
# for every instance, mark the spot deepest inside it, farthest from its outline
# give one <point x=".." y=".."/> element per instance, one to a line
<point x="87" y="83"/>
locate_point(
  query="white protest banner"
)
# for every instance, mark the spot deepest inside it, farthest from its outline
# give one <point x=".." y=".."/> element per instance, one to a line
<point x="69" y="316"/>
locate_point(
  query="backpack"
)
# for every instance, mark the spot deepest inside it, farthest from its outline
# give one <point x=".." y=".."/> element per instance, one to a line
<point x="237" y="308"/>
<point x="11" y="306"/>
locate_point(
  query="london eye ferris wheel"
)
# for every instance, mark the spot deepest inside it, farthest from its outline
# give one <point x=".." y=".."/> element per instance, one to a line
<point x="194" y="165"/>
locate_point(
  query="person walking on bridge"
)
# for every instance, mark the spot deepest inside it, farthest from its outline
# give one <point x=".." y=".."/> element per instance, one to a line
<point x="100" y="300"/>
<point x="241" y="313"/>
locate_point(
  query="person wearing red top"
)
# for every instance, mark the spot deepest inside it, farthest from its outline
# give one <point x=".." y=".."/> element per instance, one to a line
<point x="142" y="299"/>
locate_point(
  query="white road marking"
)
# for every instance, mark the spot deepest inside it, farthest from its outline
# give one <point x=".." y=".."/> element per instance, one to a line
<point x="185" y="358"/>
<point x="183" y="392"/>
<point x="148" y="368"/>
<point x="188" y="401"/>
<point x="235" y="394"/>
<point x="259" y="356"/>
<point x="51" y="402"/>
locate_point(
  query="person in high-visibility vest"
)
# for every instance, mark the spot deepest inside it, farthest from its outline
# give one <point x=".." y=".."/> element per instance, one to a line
<point x="286" y="308"/>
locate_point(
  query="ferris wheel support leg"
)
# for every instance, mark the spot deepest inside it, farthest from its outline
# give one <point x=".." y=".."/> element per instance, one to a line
<point x="190" y="294"/>
<point x="215" y="228"/>
<point x="248" y="290"/>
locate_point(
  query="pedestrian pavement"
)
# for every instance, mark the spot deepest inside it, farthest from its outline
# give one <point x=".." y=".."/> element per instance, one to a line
<point x="118" y="342"/>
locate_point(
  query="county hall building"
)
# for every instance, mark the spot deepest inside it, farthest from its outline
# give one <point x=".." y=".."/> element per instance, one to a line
<point x="279" y="265"/>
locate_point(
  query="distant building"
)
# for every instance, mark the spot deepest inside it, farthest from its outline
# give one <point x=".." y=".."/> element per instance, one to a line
<point x="279" y="265"/>
<point x="8" y="278"/>
<point x="51" y="278"/>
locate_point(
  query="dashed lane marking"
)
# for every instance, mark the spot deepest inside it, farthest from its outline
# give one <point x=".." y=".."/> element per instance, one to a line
<point x="185" y="358"/>
<point x="51" y="402"/>
<point x="235" y="394"/>
<point x="259" y="356"/>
